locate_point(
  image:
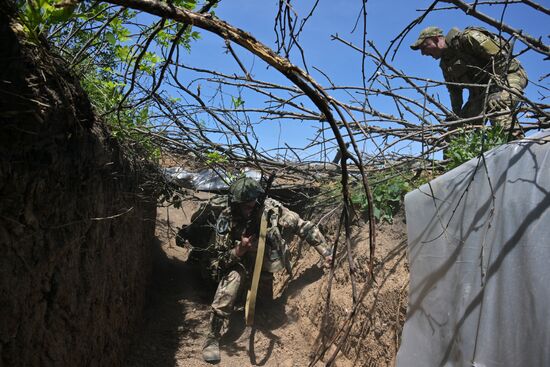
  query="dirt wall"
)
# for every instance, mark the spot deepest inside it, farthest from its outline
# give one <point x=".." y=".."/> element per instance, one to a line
<point x="76" y="227"/>
<point x="375" y="334"/>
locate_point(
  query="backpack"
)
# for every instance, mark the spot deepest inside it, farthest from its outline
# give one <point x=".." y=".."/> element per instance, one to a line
<point x="503" y="45"/>
<point x="203" y="223"/>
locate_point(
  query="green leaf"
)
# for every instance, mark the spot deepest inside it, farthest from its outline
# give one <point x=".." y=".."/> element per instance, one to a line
<point x="215" y="157"/>
<point x="123" y="34"/>
<point x="63" y="14"/>
<point x="237" y="102"/>
<point x="377" y="213"/>
<point x="110" y="37"/>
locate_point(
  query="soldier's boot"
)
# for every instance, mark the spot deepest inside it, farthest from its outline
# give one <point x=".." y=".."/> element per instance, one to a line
<point x="211" y="348"/>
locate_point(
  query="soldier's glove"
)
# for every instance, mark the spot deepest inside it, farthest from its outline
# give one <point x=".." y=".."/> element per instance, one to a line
<point x="327" y="255"/>
<point x="328" y="262"/>
<point x="499" y="101"/>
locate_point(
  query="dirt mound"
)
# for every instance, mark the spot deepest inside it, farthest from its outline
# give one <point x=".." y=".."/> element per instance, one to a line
<point x="286" y="331"/>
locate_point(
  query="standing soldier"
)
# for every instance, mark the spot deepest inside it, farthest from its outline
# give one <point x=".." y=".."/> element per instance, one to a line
<point x="237" y="251"/>
<point x="476" y="56"/>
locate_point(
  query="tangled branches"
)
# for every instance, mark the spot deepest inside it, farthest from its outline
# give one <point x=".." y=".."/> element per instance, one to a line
<point x="389" y="119"/>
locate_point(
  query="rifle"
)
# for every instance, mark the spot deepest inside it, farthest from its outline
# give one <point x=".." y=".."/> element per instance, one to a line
<point x="267" y="187"/>
<point x="252" y="226"/>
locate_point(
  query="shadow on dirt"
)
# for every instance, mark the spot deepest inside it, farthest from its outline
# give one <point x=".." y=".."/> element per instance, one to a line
<point x="175" y="310"/>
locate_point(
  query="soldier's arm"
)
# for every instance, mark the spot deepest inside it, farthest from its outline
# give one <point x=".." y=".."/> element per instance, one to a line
<point x="223" y="247"/>
<point x="306" y="230"/>
<point x="455" y="94"/>
<point x="227" y="253"/>
<point x="455" y="91"/>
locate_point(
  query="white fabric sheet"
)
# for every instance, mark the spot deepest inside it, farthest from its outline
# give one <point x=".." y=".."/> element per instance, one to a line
<point x="479" y="255"/>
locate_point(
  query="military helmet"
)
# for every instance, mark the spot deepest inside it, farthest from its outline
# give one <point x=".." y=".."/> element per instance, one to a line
<point x="244" y="189"/>
<point x="426" y="33"/>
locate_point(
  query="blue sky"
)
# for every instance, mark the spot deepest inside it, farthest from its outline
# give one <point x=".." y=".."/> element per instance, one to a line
<point x="385" y="20"/>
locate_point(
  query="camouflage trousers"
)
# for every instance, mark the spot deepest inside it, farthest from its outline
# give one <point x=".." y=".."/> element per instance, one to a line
<point x="475" y="106"/>
<point x="231" y="287"/>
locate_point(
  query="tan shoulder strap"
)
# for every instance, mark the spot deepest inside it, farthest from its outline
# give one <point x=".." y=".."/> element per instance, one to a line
<point x="250" y="305"/>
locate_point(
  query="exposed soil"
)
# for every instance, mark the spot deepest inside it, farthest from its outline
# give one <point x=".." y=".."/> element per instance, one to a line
<point x="76" y="218"/>
<point x="286" y="331"/>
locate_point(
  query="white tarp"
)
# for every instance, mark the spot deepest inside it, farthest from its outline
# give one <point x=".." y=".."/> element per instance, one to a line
<point x="206" y="179"/>
<point x="479" y="255"/>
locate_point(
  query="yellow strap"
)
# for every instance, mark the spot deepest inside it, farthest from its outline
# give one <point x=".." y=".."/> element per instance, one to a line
<point x="251" y="295"/>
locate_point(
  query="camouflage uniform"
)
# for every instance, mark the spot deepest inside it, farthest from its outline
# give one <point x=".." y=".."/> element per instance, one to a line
<point x="475" y="56"/>
<point x="233" y="270"/>
<point x="283" y="225"/>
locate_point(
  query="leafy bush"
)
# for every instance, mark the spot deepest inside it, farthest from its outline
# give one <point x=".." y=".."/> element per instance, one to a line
<point x="101" y="60"/>
<point x="387" y="195"/>
<point x="388" y="190"/>
<point x="468" y="145"/>
<point x="131" y="125"/>
<point x="39" y="15"/>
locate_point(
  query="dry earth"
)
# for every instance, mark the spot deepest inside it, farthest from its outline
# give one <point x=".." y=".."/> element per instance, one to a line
<point x="286" y="332"/>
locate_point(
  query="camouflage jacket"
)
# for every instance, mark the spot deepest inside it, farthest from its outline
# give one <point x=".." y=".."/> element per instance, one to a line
<point x="283" y="225"/>
<point x="475" y="56"/>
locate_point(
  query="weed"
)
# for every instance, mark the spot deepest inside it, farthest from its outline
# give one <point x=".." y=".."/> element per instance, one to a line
<point x="468" y="145"/>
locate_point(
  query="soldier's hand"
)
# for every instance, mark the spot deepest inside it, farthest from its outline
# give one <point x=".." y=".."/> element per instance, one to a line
<point x="498" y="101"/>
<point x="328" y="261"/>
<point x="247" y="243"/>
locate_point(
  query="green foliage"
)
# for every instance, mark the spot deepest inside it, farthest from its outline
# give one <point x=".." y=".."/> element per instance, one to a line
<point x="128" y="125"/>
<point x="237" y="102"/>
<point x="102" y="60"/>
<point x="187" y="4"/>
<point x="149" y="62"/>
<point x="387" y="195"/>
<point x="468" y="145"/>
<point x="388" y="190"/>
<point x="38" y="16"/>
<point x="215" y="158"/>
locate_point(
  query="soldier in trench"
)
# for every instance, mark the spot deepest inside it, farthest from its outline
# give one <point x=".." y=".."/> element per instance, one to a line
<point x="481" y="62"/>
<point x="236" y="251"/>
